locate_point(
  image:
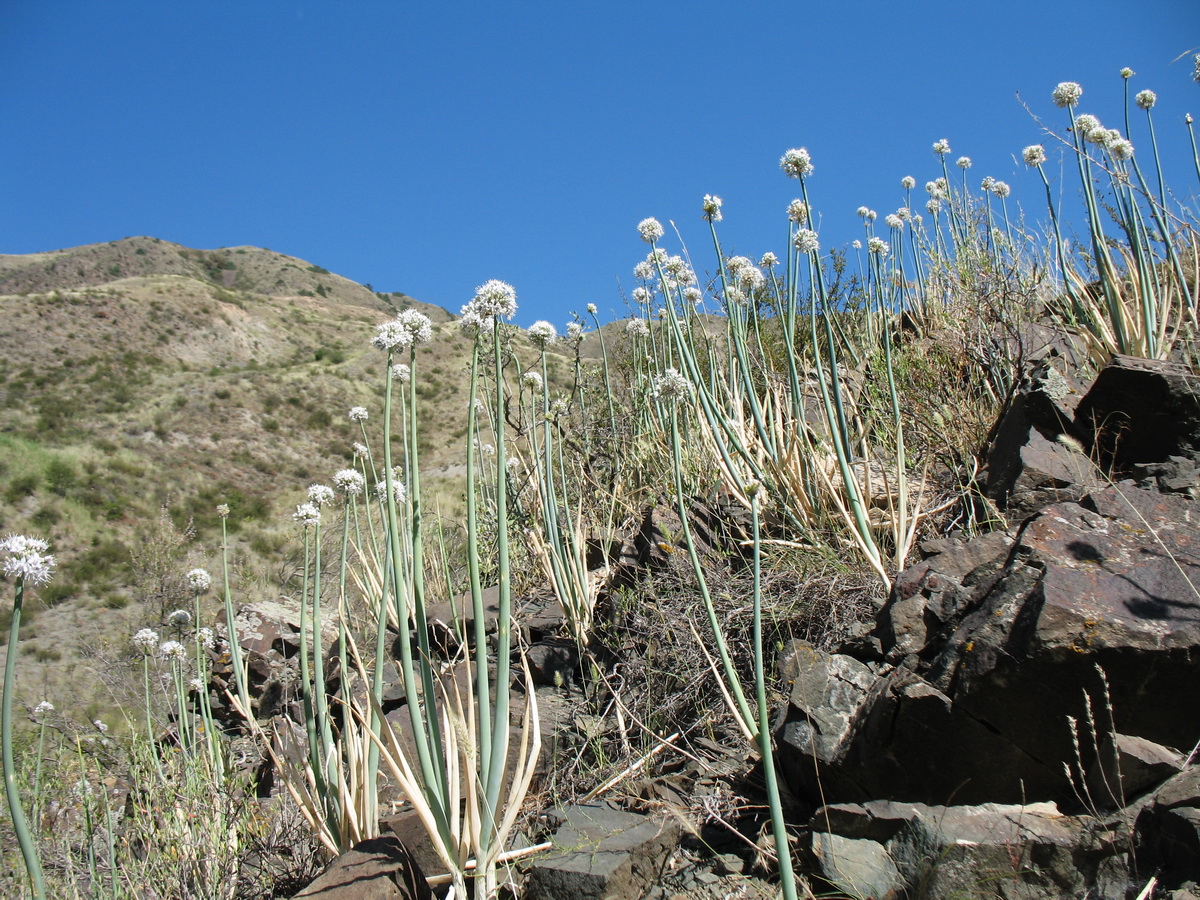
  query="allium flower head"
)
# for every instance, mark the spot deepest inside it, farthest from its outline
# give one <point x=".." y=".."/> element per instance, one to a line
<point x="199" y="580"/>
<point x="692" y="295"/>
<point x="179" y="618"/>
<point x="172" y="650"/>
<point x="591" y="308"/>
<point x="43" y="709"/>
<point x="806" y="240"/>
<point x="390" y="335"/>
<point x="908" y="182"/>
<point x="878" y="246"/>
<point x="402" y="373"/>
<point x="206" y="638"/>
<point x="797" y="212"/>
<point x="769" y="260"/>
<point x="736" y="263"/>
<point x="197" y="685"/>
<point x="348" y="482"/>
<point x="637" y="328"/>
<point x="401" y="492"/>
<point x="1127" y="73"/>
<point x="495" y="298"/>
<point x="642" y="296"/>
<point x="1001" y="189"/>
<point x="418" y="324"/>
<point x="670" y="386"/>
<point x="223" y="510"/>
<point x="358" y="414"/>
<point x="1034" y="154"/>
<point x="27" y="559"/>
<point x="644" y="271"/>
<point x="894" y="221"/>
<point x="320" y="495"/>
<point x="361" y="451"/>
<point x="986" y="184"/>
<point x="934" y="188"/>
<point x="751" y="278"/>
<point x="856" y="244"/>
<point x="1196" y="70"/>
<point x="1146" y="99"/>
<point x="473" y="323"/>
<point x="574" y="331"/>
<point x="1121" y="149"/>
<point x="933" y="206"/>
<point x="864" y="212"/>
<point x="964" y="162"/>
<point x="1086" y="123"/>
<point x="796" y="163"/>
<point x="942" y="147"/>
<point x="711" y="205"/>
<point x="650" y="230"/>
<point x="146" y="640"/>
<point x="307" y="515"/>
<point x="1067" y="94"/>
<point x="532" y="381"/>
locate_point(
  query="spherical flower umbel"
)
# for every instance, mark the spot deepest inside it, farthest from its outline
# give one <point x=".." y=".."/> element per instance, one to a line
<point x="908" y="182"/>
<point x="986" y="184"/>
<point x="206" y="638"/>
<point x="670" y="385"/>
<point x="1086" y="123"/>
<point x="43" y="709"/>
<point x="391" y="335"/>
<point x="199" y="580"/>
<point x="864" y="212"/>
<point x="894" y="221"/>
<point x="223" y="510"/>
<point x="1034" y="155"/>
<point x="172" y="650"/>
<point x="179" y="618"/>
<point x="964" y="162"/>
<point x="856" y="244"/>
<point x="878" y="246"/>
<point x="495" y="298"/>
<point x="797" y="212"/>
<point x="402" y="373"/>
<point x="591" y="308"/>
<point x="358" y="414"/>
<point x="806" y="241"/>
<point x="644" y="270"/>
<point x="1127" y="73"/>
<point x="320" y="495"/>
<point x="574" y="331"/>
<point x="641" y="296"/>
<point x="933" y="206"/>
<point x="711" y="205"/>
<point x="637" y="327"/>
<point x="796" y="163"/>
<point x="348" y="482"/>
<point x="1121" y="149"/>
<point x="400" y="491"/>
<point x="27" y="559"/>
<point x="1146" y="99"/>
<point x="532" y="381"/>
<point x="1001" y="189"/>
<point x="1067" y="93"/>
<point x="769" y="260"/>
<point x="146" y="640"/>
<point x="942" y="147"/>
<point x="650" y="230"/>
<point x="307" y="515"/>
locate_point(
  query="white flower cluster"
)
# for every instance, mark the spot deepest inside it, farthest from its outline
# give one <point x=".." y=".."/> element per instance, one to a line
<point x="797" y="211"/>
<point x="964" y="162"/>
<point x="320" y="495"/>
<point x="307" y="515"/>
<point x="933" y="206"/>
<point x="179" y="618"/>
<point x="644" y="270"/>
<point x="172" y="650"/>
<point x="402" y="373"/>
<point x="43" y="709"/>
<point x="894" y="221"/>
<point x="650" y="230"/>
<point x="908" y="182"/>
<point x="199" y="580"/>
<point x="1146" y="99"/>
<point x="796" y="163"/>
<point x="806" y="241"/>
<point x="1001" y="189"/>
<point x="532" y="381"/>
<point x="206" y="638"/>
<point x="642" y="296"/>
<point x="591" y="308"/>
<point x="408" y="328"/>
<point x="867" y="214"/>
<point x="27" y="559"/>
<point x="1067" y="94"/>
<point x="574" y="331"/>
<point x="358" y="414"/>
<point x="637" y="328"/>
<point x="348" y="482"/>
<point x="769" y="260"/>
<point x="878" y="246"/>
<point x="671" y="385"/>
<point x="1034" y="155"/>
<point x="942" y="147"/>
<point x="400" y="491"/>
<point x="712" y="207"/>
<point x="223" y="510"/>
<point x="146" y="640"/>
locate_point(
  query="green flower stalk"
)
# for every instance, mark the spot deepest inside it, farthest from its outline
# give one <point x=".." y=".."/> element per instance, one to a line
<point x="27" y="561"/>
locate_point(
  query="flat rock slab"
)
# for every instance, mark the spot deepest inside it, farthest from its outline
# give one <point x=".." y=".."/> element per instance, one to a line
<point x="601" y="853"/>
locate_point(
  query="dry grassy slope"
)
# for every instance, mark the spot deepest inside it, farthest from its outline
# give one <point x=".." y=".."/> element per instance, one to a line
<point x="131" y="380"/>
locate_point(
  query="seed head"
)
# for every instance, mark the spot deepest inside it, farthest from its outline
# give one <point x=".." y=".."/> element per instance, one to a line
<point x="908" y="182"/>
<point x="1034" y="154"/>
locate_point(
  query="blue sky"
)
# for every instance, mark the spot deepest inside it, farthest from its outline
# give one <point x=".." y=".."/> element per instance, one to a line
<point x="428" y="147"/>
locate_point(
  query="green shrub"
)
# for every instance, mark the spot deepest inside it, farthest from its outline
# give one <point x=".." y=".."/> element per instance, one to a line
<point x="61" y="476"/>
<point x="23" y="486"/>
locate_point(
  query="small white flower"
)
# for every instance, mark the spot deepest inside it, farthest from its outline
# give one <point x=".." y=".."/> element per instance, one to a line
<point x="172" y="650"/>
<point x="1121" y="149"/>
<point x="1001" y="189"/>
<point x="796" y="163"/>
<point x="734" y="296"/>
<point x="361" y="451"/>
<point x="495" y="299"/>
<point x="942" y="147"/>
<point x="751" y="278"/>
<point x="307" y="515"/>
<point x="101" y="727"/>
<point x="856" y="244"/>
<point x="644" y="271"/>
<point x="402" y="373"/>
<point x="179" y="618"/>
<point x="591" y="308"/>
<point x="1067" y="94"/>
<point x="671" y="386"/>
<point x="418" y="324"/>
<point x="358" y="414"/>
<point x="1034" y="154"/>
<point x="199" y="580"/>
<point x="348" y="482"/>
<point x="1146" y="99"/>
<point x="642" y="296"/>
<point x="1127" y="73"/>
<point x="473" y="323"/>
<point x="878" y="246"/>
<point x="797" y="212"/>
<point x="206" y="638"/>
<point x="806" y="241"/>
<point x="769" y="260"/>
<point x="736" y="263"/>
<point x="908" y="182"/>
<point x="986" y="184"/>
<point x="934" y="189"/>
<point x="894" y="221"/>
<point x="712" y="207"/>
<point x="964" y="162"/>
<point x="320" y="495"/>
<point x="650" y="230"/>
<point x="933" y="206"/>
<point x="532" y="381"/>
<point x="197" y="685"/>
<point x="864" y="212"/>
<point x="488" y="450"/>
<point x="401" y="492"/>
<point x="637" y="328"/>
<point x="391" y="335"/>
<point x="223" y="510"/>
<point x="43" y="709"/>
<point x="146" y="640"/>
<point x="692" y="295"/>
<point x="904" y="212"/>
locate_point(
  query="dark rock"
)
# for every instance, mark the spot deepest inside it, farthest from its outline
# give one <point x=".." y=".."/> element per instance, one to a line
<point x="1141" y="411"/>
<point x="1168" y="832"/>
<point x="376" y="869"/>
<point x="601" y="853"/>
<point x="553" y="662"/>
